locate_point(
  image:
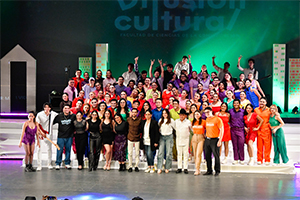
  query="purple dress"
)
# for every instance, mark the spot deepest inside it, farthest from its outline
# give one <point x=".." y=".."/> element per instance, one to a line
<point x="121" y="141"/>
<point x="29" y="136"/>
<point x="222" y="95"/>
<point x="193" y="84"/>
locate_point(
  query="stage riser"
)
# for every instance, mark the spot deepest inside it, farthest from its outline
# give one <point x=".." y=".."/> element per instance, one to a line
<point x="10" y="135"/>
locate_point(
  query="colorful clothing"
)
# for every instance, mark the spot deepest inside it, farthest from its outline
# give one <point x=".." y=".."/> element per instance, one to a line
<point x="165" y="98"/>
<point x="250" y="124"/>
<point x="29" y="136"/>
<point x="279" y="143"/>
<point x="225" y="120"/>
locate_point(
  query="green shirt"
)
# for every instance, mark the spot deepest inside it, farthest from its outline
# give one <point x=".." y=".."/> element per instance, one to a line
<point x="174" y="115"/>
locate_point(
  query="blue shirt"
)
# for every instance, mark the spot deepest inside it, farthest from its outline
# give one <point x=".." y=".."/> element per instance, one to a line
<point x="156" y="115"/>
<point x="119" y="89"/>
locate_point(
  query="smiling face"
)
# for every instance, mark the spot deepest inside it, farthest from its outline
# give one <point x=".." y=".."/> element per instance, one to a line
<point x="200" y="87"/>
<point x="146" y="106"/>
<point x="118" y="119"/>
<point x="249" y="109"/>
<point x="197" y="115"/>
<point x="79" y="116"/>
<point x="262" y="103"/>
<point x="223" y="107"/>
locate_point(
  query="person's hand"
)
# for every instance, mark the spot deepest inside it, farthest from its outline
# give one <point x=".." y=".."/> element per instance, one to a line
<point x="136" y="59"/>
<point x="181" y="85"/>
<point x="255" y="129"/>
<point x="247" y="130"/>
<point x="274" y="130"/>
<point x="240" y="57"/>
<point x="213" y="57"/>
<point x="152" y="62"/>
<point x="38" y="144"/>
<point x="219" y="143"/>
<point x="20" y="144"/>
<point x="165" y="63"/>
<point x="159" y="61"/>
<point x="189" y="56"/>
<point x="155" y="145"/>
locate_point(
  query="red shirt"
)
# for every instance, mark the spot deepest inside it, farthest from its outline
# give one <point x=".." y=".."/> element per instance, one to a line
<point x="76" y="83"/>
<point x="75" y="101"/>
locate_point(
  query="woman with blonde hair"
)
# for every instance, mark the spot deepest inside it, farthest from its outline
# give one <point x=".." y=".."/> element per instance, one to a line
<point x="278" y="136"/>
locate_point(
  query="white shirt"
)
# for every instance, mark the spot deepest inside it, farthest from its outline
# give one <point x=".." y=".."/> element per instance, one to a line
<point x="167" y="129"/>
<point x="146" y="134"/>
<point x="180" y="66"/>
<point x="182" y="131"/>
<point x="110" y="80"/>
<point x="43" y="120"/>
<point x="129" y="76"/>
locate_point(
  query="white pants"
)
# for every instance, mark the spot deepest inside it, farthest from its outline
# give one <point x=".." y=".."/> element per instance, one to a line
<point x="182" y="151"/>
<point x="137" y="153"/>
<point x="45" y="144"/>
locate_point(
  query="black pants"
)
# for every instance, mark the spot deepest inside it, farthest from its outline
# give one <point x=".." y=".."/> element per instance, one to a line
<point x="80" y="143"/>
<point x="210" y="146"/>
<point x="95" y="149"/>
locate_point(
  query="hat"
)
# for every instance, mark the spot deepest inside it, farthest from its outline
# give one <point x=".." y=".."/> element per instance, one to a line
<point x="92" y="79"/>
<point x="182" y="111"/>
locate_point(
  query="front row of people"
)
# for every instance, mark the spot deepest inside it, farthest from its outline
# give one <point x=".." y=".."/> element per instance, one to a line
<point x="117" y="135"/>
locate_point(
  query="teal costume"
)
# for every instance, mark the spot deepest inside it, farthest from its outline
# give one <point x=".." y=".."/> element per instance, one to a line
<point x="279" y="143"/>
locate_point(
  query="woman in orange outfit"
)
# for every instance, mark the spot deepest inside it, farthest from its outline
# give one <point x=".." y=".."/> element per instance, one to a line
<point x="264" y="137"/>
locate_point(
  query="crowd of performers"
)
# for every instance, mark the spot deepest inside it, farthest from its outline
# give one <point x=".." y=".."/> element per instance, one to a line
<point x="174" y="113"/>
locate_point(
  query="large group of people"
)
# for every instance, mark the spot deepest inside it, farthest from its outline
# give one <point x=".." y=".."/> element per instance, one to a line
<point x="173" y="114"/>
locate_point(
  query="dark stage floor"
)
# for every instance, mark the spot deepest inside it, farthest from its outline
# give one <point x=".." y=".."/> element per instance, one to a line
<point x="74" y="184"/>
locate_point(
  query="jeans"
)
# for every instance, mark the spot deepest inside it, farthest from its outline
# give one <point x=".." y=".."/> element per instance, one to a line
<point x="67" y="143"/>
<point x="149" y="155"/>
<point x="165" y="143"/>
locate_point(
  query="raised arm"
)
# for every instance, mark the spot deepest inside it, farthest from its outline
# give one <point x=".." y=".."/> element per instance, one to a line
<point x="259" y="88"/>
<point x="162" y="75"/>
<point x="136" y="67"/>
<point x="150" y="68"/>
<point x="214" y="64"/>
<point x="239" y="64"/>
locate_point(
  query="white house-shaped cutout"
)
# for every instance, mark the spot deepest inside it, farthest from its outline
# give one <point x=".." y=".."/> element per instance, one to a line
<point x="18" y="54"/>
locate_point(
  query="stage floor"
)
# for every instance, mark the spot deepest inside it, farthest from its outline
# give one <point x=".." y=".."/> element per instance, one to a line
<point x="74" y="184"/>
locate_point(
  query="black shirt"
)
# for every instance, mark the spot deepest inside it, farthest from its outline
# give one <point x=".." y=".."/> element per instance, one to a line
<point x="121" y="129"/>
<point x="65" y="125"/>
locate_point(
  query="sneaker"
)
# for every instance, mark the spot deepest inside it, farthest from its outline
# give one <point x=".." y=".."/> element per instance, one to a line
<point x="130" y="169"/>
<point x="251" y="162"/>
<point x="136" y="169"/>
<point x="57" y="167"/>
<point x="50" y="167"/>
<point x="102" y="157"/>
<point x="152" y="171"/>
<point x="39" y="168"/>
<point x="235" y="162"/>
<point x="148" y="170"/>
<point x="224" y="161"/>
<point x="68" y="167"/>
<point x="242" y="162"/>
<point x="267" y="163"/>
<point x="258" y="162"/>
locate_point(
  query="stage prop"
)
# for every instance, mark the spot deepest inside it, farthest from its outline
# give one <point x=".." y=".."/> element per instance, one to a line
<point x="85" y="65"/>
<point x="294" y="83"/>
<point x="278" y="74"/>
<point x="102" y="58"/>
<point x="18" y="89"/>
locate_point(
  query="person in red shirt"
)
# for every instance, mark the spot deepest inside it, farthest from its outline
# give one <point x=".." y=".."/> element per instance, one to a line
<point x="77" y="108"/>
<point x="142" y="100"/>
<point x="80" y="96"/>
<point x="78" y="80"/>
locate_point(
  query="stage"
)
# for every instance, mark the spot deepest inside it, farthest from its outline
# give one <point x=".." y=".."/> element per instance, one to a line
<point x="74" y="184"/>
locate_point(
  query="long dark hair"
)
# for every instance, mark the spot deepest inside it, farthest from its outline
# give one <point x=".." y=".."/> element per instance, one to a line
<point x="249" y="104"/>
<point x="94" y="111"/>
<point x="143" y="111"/>
<point x="110" y="119"/>
<point x="32" y="112"/>
<point x="231" y="79"/>
<point x="194" y="119"/>
<point x="226" y="106"/>
<point x="119" y="108"/>
<point x="162" y="118"/>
